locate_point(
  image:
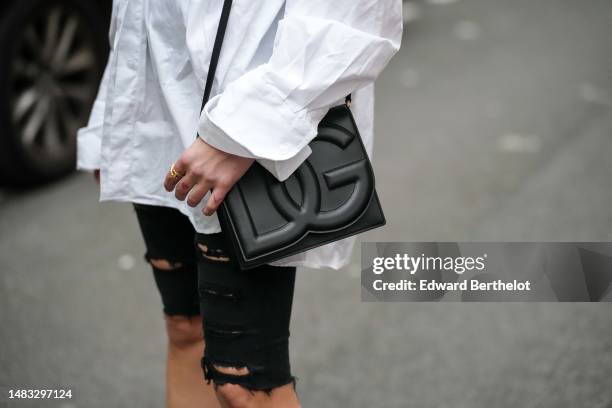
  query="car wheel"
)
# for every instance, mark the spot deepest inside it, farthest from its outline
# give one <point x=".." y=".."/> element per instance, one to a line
<point x="52" y="55"/>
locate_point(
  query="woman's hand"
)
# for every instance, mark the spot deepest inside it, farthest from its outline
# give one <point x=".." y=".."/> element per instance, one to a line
<point x="202" y="168"/>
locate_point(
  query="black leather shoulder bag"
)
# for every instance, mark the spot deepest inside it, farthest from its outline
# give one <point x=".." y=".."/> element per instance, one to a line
<point x="329" y="197"/>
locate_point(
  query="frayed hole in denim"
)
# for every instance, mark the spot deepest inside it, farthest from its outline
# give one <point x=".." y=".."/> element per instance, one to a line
<point x="212" y="254"/>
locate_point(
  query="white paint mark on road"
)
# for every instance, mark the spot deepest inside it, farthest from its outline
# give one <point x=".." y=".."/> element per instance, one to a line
<point x="411" y="11"/>
<point x="519" y="143"/>
<point x="441" y="2"/>
<point x="126" y="262"/>
<point x="467" y="30"/>
<point x="592" y="94"/>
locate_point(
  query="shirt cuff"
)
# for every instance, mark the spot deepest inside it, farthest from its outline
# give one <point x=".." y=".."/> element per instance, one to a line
<point x="258" y="124"/>
<point x="259" y="119"/>
<point x="89" y="148"/>
<point x="282" y="169"/>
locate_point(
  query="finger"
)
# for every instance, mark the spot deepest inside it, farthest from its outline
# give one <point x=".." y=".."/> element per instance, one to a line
<point x="216" y="198"/>
<point x="197" y="194"/>
<point x="184" y="186"/>
<point x="180" y="167"/>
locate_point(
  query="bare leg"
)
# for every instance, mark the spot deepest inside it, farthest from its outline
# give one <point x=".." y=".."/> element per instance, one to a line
<point x="185" y="385"/>
<point x="235" y="396"/>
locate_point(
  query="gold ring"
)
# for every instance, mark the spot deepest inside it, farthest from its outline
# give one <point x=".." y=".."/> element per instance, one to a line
<point x="174" y="173"/>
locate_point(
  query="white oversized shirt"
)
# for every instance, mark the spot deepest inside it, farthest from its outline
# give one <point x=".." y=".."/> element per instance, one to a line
<point x="283" y="64"/>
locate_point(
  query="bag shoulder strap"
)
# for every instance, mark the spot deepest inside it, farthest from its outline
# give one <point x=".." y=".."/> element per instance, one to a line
<point x="214" y="59"/>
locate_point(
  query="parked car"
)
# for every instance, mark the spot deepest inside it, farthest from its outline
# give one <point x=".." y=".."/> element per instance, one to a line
<point x="52" y="56"/>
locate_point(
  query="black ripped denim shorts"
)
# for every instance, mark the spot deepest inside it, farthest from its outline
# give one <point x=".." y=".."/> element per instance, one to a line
<point x="245" y="314"/>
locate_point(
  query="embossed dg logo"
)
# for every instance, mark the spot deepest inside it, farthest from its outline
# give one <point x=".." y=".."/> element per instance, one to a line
<point x="308" y="215"/>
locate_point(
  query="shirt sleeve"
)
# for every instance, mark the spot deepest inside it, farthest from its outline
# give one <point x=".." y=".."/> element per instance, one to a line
<point x="323" y="51"/>
<point x="89" y="138"/>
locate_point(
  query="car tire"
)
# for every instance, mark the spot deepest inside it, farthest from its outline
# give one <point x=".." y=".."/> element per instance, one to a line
<point x="52" y="55"/>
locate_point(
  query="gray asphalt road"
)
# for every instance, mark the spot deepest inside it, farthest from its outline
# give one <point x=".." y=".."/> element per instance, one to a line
<point x="493" y="123"/>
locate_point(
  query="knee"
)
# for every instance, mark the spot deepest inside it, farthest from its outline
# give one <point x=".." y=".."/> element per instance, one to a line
<point x="234" y="396"/>
<point x="183" y="331"/>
